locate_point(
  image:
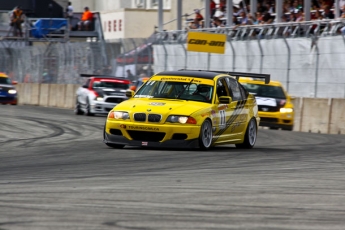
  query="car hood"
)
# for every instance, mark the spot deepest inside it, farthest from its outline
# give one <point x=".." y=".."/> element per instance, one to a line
<point x="6" y="87"/>
<point x="164" y="107"/>
<point x="111" y="92"/>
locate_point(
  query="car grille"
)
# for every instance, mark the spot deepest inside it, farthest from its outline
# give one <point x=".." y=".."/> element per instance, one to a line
<point x="114" y="100"/>
<point x="146" y="136"/>
<point x="140" y="117"/>
<point x="154" y="118"/>
<point x="267" y="119"/>
<point x="268" y="108"/>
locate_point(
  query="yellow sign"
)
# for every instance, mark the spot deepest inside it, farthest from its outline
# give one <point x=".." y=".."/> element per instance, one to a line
<point x="206" y="42"/>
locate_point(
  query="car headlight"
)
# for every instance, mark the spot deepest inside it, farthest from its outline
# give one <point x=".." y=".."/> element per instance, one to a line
<point x="181" y="119"/>
<point x="286" y="110"/>
<point x="12" y="91"/>
<point x="99" y="98"/>
<point x="118" y="115"/>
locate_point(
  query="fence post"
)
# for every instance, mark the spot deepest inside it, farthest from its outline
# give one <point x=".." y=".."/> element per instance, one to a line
<point x="125" y="58"/>
<point x="165" y="53"/>
<point x="314" y="41"/>
<point x="288" y="63"/>
<point x="233" y="54"/>
<point x="262" y="54"/>
<point x="136" y="55"/>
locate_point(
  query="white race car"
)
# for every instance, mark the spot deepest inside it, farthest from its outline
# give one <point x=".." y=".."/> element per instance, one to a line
<point x="100" y="94"/>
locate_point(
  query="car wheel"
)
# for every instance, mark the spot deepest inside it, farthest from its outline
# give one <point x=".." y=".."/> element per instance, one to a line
<point x="205" y="136"/>
<point x="250" y="136"/>
<point x="77" y="109"/>
<point x="88" y="109"/>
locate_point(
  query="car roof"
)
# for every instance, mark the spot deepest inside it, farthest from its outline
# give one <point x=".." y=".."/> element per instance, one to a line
<point x="190" y="73"/>
<point x="3" y="74"/>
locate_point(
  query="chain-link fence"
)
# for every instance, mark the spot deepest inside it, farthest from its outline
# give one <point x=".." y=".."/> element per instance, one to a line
<point x="306" y="57"/>
<point x="53" y="62"/>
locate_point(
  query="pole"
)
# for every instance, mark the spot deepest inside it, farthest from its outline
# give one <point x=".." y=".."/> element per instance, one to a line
<point x="160" y="15"/>
<point x="179" y="14"/>
<point x="253" y="7"/>
<point x="306" y="10"/>
<point x="229" y="13"/>
<point x="207" y="14"/>
<point x="337" y="9"/>
<point x="279" y="10"/>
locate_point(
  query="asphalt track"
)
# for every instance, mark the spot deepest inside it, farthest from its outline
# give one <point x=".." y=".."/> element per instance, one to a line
<point x="55" y="173"/>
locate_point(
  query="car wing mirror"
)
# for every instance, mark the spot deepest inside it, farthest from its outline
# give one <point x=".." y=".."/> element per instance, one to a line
<point x="85" y="86"/>
<point x="225" y="100"/>
<point x="129" y="93"/>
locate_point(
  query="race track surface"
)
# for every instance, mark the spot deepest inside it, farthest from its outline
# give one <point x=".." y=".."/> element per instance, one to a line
<point x="56" y="173"/>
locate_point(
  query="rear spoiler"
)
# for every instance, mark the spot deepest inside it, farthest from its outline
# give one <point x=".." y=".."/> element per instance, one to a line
<point x="267" y="77"/>
<point x="102" y="75"/>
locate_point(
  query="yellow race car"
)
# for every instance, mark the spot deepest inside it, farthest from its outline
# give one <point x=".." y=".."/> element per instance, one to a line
<point x="275" y="107"/>
<point x="187" y="109"/>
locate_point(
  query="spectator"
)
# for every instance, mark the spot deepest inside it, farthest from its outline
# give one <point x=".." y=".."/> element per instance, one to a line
<point x="69" y="13"/>
<point x="17" y="18"/>
<point x="317" y="15"/>
<point x="299" y="15"/>
<point x="212" y="8"/>
<point x="86" y="20"/>
<point x="130" y="76"/>
<point x="217" y="23"/>
<point x="198" y="15"/>
<point x="327" y="13"/>
<point x="244" y="19"/>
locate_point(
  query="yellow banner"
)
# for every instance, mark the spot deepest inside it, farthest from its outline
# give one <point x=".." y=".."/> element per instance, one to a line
<point x="206" y="42"/>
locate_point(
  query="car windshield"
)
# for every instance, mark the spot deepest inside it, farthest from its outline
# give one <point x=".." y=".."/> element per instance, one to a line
<point x="265" y="90"/>
<point x="5" y="81"/>
<point x="192" y="90"/>
<point x="109" y="84"/>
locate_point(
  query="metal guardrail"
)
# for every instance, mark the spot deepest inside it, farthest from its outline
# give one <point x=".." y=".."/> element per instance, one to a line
<point x="315" y="28"/>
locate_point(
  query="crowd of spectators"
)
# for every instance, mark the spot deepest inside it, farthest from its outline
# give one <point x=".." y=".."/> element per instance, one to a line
<point x="265" y="13"/>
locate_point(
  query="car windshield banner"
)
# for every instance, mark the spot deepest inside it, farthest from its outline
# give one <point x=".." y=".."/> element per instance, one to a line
<point x="206" y="42"/>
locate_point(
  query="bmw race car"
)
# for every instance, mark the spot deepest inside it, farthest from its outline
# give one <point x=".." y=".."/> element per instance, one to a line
<point x="275" y="107"/>
<point x="186" y="108"/>
<point x="8" y="93"/>
<point x="100" y="94"/>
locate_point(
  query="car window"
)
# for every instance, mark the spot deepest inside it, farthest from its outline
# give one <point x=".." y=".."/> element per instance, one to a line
<point x="222" y="88"/>
<point x="109" y="84"/>
<point x="176" y="90"/>
<point x="265" y="90"/>
<point x="234" y="89"/>
<point x="5" y="81"/>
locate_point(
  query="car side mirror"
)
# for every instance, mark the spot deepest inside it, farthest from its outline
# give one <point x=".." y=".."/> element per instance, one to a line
<point x="225" y="100"/>
<point x="129" y="93"/>
<point x="14" y="82"/>
<point x="85" y="86"/>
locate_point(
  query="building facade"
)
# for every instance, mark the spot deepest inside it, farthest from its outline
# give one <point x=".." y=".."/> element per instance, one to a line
<point x="136" y="18"/>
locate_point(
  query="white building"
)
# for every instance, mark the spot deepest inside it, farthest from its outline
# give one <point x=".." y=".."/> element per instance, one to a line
<point x="136" y="18"/>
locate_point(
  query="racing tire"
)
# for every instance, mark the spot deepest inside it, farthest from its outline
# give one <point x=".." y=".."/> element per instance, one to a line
<point x="115" y="146"/>
<point x="88" y="109"/>
<point x="250" y="136"/>
<point x="77" y="109"/>
<point x="205" y="136"/>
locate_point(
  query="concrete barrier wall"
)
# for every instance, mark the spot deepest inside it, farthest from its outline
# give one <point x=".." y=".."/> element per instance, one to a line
<point x="316" y="115"/>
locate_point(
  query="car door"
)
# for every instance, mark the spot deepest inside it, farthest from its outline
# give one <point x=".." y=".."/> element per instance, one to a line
<point x="239" y="105"/>
<point x="84" y="92"/>
<point x="224" y="113"/>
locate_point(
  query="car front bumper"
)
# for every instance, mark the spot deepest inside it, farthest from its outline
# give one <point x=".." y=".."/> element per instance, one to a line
<point x="101" y="107"/>
<point x="8" y="100"/>
<point x="152" y="135"/>
<point x="276" y="119"/>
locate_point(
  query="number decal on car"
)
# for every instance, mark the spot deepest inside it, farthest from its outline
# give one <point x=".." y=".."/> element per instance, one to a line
<point x="222" y="118"/>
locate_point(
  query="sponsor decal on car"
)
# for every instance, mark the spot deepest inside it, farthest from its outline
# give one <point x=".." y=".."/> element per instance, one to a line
<point x="157" y="103"/>
<point x="145" y="128"/>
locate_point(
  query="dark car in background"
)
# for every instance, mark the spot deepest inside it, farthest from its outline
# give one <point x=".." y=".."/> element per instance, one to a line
<point x="8" y="93"/>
